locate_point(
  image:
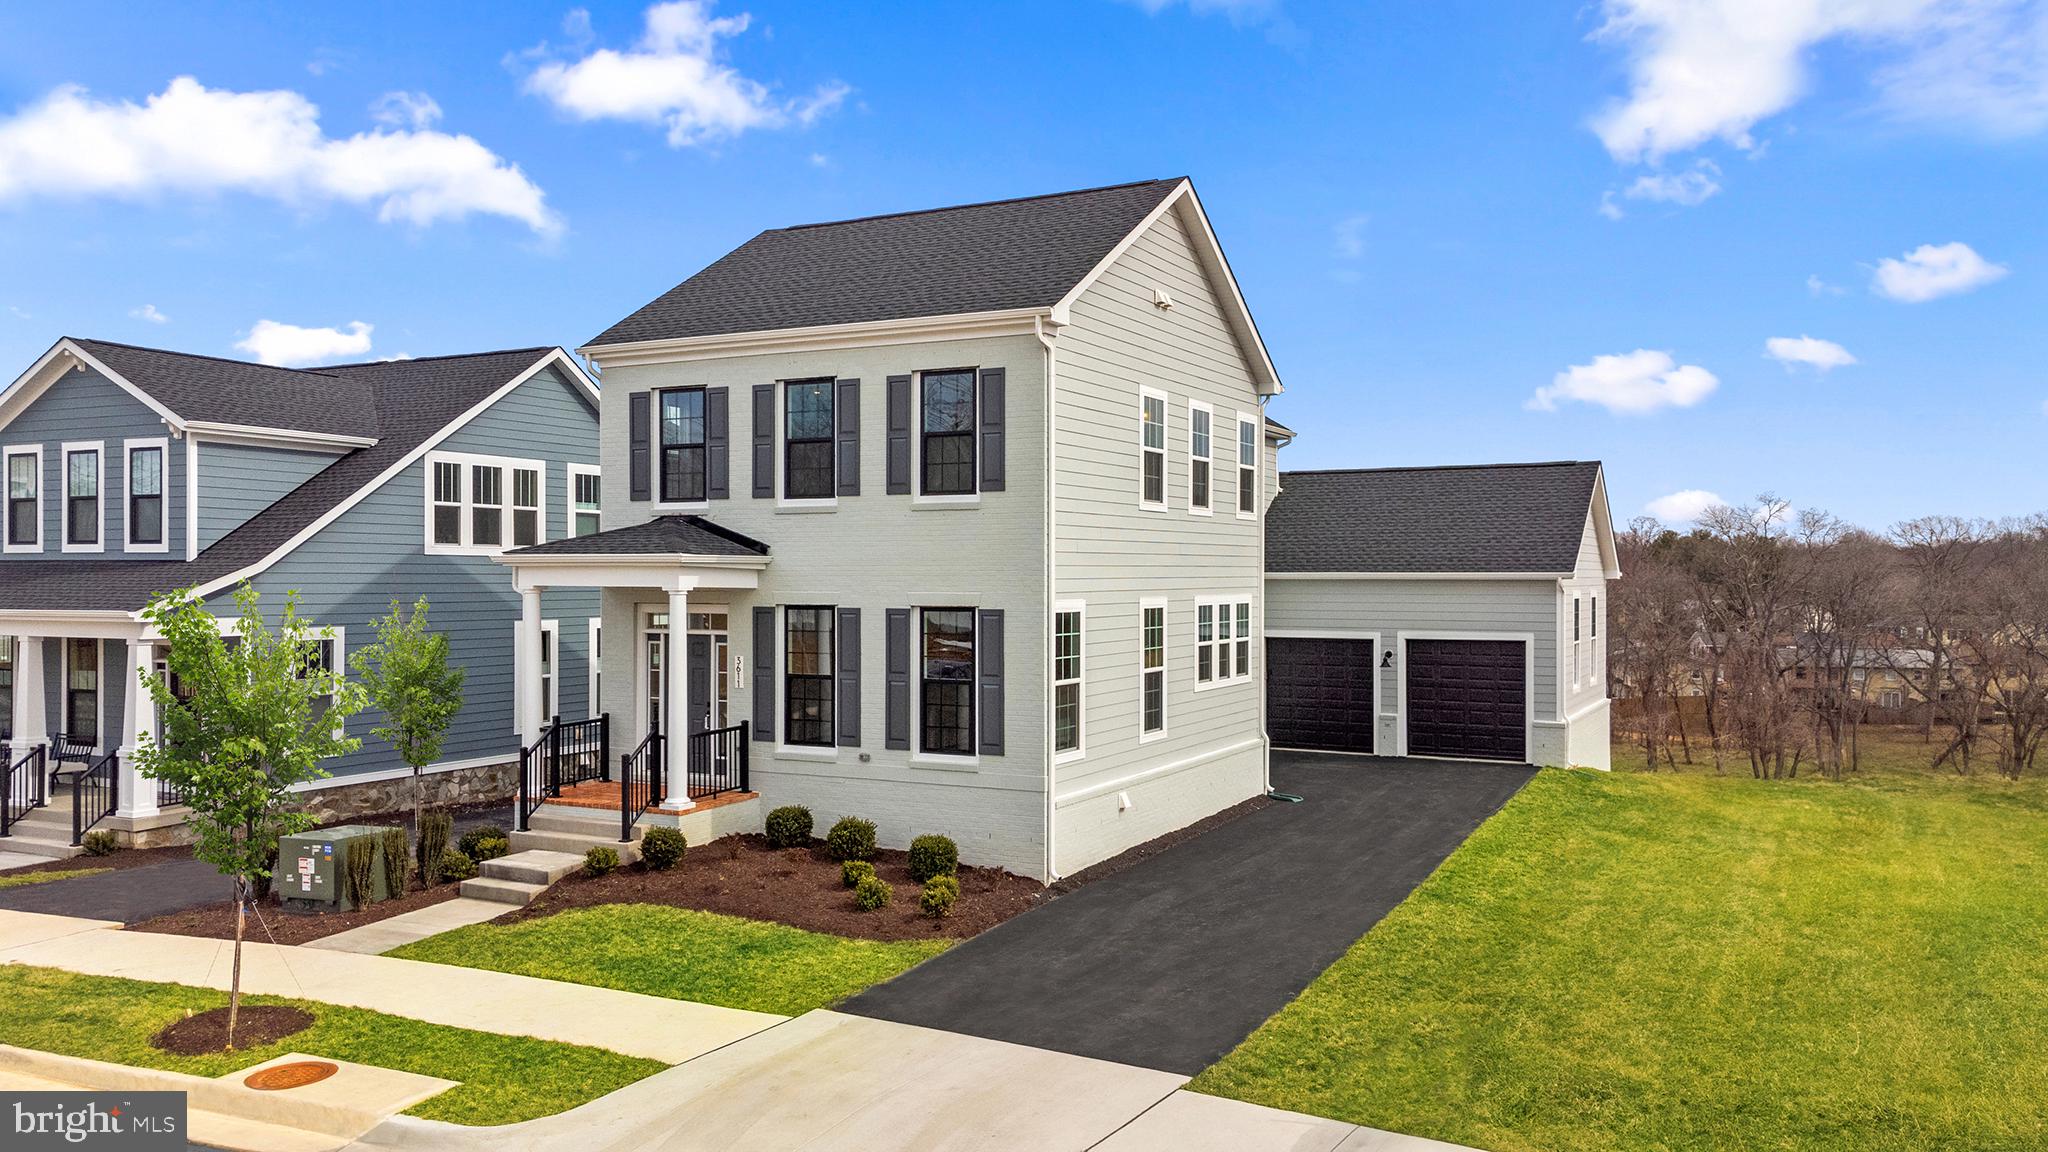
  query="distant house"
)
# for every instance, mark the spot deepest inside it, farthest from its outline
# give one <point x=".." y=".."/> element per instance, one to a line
<point x="1889" y="678"/>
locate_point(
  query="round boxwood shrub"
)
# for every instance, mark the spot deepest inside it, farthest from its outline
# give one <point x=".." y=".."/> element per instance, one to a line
<point x="476" y="836"/>
<point x="101" y="842"/>
<point x="662" y="848"/>
<point x="933" y="856"/>
<point x="455" y="865"/>
<point x="789" y="826"/>
<point x="853" y="872"/>
<point x="487" y="848"/>
<point x="600" y="861"/>
<point x="871" y="893"/>
<point x="939" y="895"/>
<point x="851" y="839"/>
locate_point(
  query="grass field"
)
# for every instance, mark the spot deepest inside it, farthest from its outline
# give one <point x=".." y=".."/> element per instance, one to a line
<point x="504" y="1078"/>
<point x="682" y="954"/>
<point x="1645" y="962"/>
<point x="24" y="879"/>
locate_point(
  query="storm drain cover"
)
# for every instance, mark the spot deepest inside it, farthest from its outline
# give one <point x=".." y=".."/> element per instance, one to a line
<point x="296" y="1074"/>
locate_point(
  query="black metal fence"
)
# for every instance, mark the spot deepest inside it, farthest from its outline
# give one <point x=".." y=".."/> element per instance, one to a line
<point x="23" y="785"/>
<point x="640" y="778"/>
<point x="567" y="753"/>
<point x="718" y="761"/>
<point x="95" y="793"/>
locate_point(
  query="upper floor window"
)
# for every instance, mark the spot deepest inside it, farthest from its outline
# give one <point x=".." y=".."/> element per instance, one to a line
<point x="483" y="504"/>
<point x="1223" y="641"/>
<point x="947" y="428"/>
<point x="525" y="507"/>
<point x="1247" y="466"/>
<point x="946" y="681"/>
<point x="145" y="495"/>
<point x="586" y="500"/>
<point x="683" y="457"/>
<point x="807" y="686"/>
<point x="1066" y="679"/>
<point x="24" y="498"/>
<point x="1151" y="449"/>
<point x="82" y="497"/>
<point x="807" y="450"/>
<point x="487" y="505"/>
<point x="1198" y="456"/>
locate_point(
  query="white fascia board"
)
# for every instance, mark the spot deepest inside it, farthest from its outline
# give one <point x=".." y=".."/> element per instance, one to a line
<point x="828" y="337"/>
<point x="261" y="436"/>
<point x="63" y="356"/>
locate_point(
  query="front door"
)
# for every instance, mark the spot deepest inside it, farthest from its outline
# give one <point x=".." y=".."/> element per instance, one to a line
<point x="709" y="681"/>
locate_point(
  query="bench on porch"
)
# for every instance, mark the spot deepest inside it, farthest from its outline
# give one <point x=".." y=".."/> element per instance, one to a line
<point x="68" y="757"/>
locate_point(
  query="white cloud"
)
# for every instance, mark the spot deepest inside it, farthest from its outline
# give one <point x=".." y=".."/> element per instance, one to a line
<point x="1932" y="271"/>
<point x="1981" y="64"/>
<point x="1608" y="207"/>
<point x="1821" y="355"/>
<point x="1815" y="286"/>
<point x="194" y="140"/>
<point x="1690" y="188"/>
<point x="674" y="77"/>
<point x="1350" y="236"/>
<point x="289" y="345"/>
<point x="1238" y="11"/>
<point x="1685" y="506"/>
<point x="406" y="110"/>
<point x="148" y="312"/>
<point x="1640" y="381"/>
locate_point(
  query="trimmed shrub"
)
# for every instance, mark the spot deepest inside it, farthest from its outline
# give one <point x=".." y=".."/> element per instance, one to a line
<point x="871" y="893"/>
<point x="933" y="856"/>
<point x="359" y="869"/>
<point x="662" y="848"/>
<point x="455" y="865"/>
<point x="853" y="872"/>
<point x="490" y="848"/>
<point x="789" y="826"/>
<point x="851" y="839"/>
<point x="600" y="861"/>
<point x="436" y="827"/>
<point x="101" y="842"/>
<point x="394" y="861"/>
<point x="939" y="895"/>
<point x="475" y="836"/>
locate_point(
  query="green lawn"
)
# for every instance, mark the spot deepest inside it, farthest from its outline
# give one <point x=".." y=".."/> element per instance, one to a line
<point x="1631" y="962"/>
<point x="24" y="879"/>
<point x="504" y="1078"/>
<point x="679" y="953"/>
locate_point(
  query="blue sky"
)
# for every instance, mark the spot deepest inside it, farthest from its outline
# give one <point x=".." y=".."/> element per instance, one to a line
<point x="1469" y="231"/>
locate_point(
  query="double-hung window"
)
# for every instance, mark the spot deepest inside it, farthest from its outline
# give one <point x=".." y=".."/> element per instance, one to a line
<point x="946" y="422"/>
<point x="24" y="499"/>
<point x="325" y="656"/>
<point x="1223" y="641"/>
<point x="447" y="507"/>
<point x="1247" y="466"/>
<point x="484" y="504"/>
<point x="807" y="685"/>
<point x="1151" y="449"/>
<point x="1066" y="678"/>
<point x="487" y="505"/>
<point x="1199" y="456"/>
<point x="525" y="507"/>
<point x="808" y="472"/>
<point x="1593" y="630"/>
<point x="586" y="503"/>
<point x="145" y="496"/>
<point x="684" y="461"/>
<point x="1578" y="648"/>
<point x="946" y="681"/>
<point x="82" y="690"/>
<point x="7" y="688"/>
<point x="1151" y="669"/>
<point x="82" y="497"/>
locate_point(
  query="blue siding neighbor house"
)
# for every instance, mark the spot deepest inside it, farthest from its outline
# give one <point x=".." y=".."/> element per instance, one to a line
<point x="128" y="471"/>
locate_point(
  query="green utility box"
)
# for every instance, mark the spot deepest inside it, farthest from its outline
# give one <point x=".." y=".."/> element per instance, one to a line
<point x="312" y="873"/>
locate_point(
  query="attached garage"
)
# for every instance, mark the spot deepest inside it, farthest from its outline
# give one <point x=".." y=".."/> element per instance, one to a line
<point x="1321" y="693"/>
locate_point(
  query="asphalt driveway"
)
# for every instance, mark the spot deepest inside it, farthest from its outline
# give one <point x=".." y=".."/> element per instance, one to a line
<point x="1172" y="962"/>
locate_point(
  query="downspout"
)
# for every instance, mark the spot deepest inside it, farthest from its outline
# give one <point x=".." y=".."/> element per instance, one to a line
<point x="1258" y="480"/>
<point x="1045" y="339"/>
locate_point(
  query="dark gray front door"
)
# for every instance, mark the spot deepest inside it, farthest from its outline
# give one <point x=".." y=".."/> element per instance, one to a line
<point x="701" y="703"/>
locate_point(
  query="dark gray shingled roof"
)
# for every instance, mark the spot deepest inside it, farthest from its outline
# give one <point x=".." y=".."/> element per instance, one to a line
<point x="409" y="400"/>
<point x="207" y="388"/>
<point x="661" y="536"/>
<point x="1477" y="518"/>
<point x="1024" y="253"/>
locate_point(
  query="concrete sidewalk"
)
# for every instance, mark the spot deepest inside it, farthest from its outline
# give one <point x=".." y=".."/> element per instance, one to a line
<point x="407" y="927"/>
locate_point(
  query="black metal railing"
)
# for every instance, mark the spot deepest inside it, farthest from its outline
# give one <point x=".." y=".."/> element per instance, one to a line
<point x="640" y="778"/>
<point x="95" y="793"/>
<point x="718" y="761"/>
<point x="577" y="751"/>
<point x="167" y="794"/>
<point x="533" y="779"/>
<point x="23" y="787"/>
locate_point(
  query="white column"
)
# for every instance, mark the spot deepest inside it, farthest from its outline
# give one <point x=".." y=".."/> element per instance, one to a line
<point x="675" y="726"/>
<point x="138" y="717"/>
<point x="31" y="726"/>
<point x="526" y="657"/>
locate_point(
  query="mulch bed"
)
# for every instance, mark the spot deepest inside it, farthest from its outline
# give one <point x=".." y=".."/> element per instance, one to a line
<point x="742" y="876"/>
<point x="255" y="1025"/>
<point x="217" y="921"/>
<point x="123" y="859"/>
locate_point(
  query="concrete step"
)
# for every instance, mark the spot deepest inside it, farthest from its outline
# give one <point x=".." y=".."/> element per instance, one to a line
<point x="41" y="840"/>
<point x="533" y="867"/>
<point x="49" y="816"/>
<point x="578" y="821"/>
<point x="574" y="843"/>
<point x="501" y="891"/>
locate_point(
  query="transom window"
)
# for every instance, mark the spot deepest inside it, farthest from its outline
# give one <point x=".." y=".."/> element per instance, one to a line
<point x="1247" y="467"/>
<point x="1152" y="449"/>
<point x="684" y="461"/>
<point x="947" y="424"/>
<point x="146" y="495"/>
<point x="82" y="496"/>
<point x="587" y="517"/>
<point x="807" y="451"/>
<point x="1066" y="680"/>
<point x="484" y="504"/>
<point x="1152" y="669"/>
<point x="1223" y="641"/>
<point x="24" y="499"/>
<point x="1198" y="456"/>
<point x="807" y="685"/>
<point x="946" y="671"/>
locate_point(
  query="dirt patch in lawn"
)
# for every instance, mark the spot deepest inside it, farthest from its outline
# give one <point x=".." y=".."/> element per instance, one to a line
<point x="217" y="921"/>
<point x="742" y="876"/>
<point x="255" y="1025"/>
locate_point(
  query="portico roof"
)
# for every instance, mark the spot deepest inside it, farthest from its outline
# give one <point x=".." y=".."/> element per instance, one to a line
<point x="677" y="553"/>
<point x="661" y="536"/>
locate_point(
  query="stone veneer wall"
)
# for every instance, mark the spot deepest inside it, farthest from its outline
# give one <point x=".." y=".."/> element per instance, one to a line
<point x="344" y="801"/>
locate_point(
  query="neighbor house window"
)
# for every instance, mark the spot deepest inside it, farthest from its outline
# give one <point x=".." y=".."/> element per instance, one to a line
<point x="1151" y="449"/>
<point x="1223" y="633"/>
<point x="326" y="656"/>
<point x="25" y="498"/>
<point x="525" y="507"/>
<point x="1066" y="679"/>
<point x="807" y="450"/>
<point x="447" y="511"/>
<point x="947" y="681"/>
<point x="586" y="496"/>
<point x="482" y="504"/>
<point x="947" y="448"/>
<point x="1152" y="669"/>
<point x="486" y="505"/>
<point x="1247" y="466"/>
<point x="146" y="495"/>
<point x="82" y="497"/>
<point x="1198" y="456"/>
<point x="807" y="686"/>
<point x="7" y="688"/>
<point x="683" y="458"/>
<point x="82" y="690"/>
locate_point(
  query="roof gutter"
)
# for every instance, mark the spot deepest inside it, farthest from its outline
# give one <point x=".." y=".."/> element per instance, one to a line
<point x="911" y="329"/>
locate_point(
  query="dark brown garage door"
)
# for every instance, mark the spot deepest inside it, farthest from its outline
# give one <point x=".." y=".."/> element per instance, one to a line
<point x="1467" y="698"/>
<point x="1319" y="694"/>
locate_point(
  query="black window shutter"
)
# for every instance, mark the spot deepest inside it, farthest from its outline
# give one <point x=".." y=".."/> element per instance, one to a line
<point x="718" y="443"/>
<point x="848" y="412"/>
<point x="896" y="700"/>
<point x="991" y="429"/>
<point x="988" y="642"/>
<point x="639" y="452"/>
<point x="764" y="441"/>
<point x="848" y="702"/>
<point x="764" y="674"/>
<point x="899" y="436"/>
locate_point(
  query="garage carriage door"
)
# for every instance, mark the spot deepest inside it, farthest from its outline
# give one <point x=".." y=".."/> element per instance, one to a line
<point x="1468" y="699"/>
<point x="1319" y="693"/>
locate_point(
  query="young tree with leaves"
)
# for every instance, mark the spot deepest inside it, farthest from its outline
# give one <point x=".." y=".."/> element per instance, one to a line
<point x="407" y="676"/>
<point x="255" y="715"/>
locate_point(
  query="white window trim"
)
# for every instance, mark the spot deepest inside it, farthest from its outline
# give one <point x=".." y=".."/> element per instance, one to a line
<point x="568" y="496"/>
<point x="1225" y="664"/>
<point x="919" y="758"/>
<point x="99" y="693"/>
<point x="1165" y="411"/>
<point x="128" y="449"/>
<point x="1255" y="465"/>
<point x="7" y="456"/>
<point x="552" y="705"/>
<point x="593" y="667"/>
<point x="1080" y="681"/>
<point x="1578" y="643"/>
<point x="99" y="449"/>
<point x="340" y="639"/>
<point x="1165" y="669"/>
<point x="467" y="461"/>
<point x="918" y="496"/>
<point x="1208" y="458"/>
<point x="782" y="497"/>
<point x="704" y="505"/>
